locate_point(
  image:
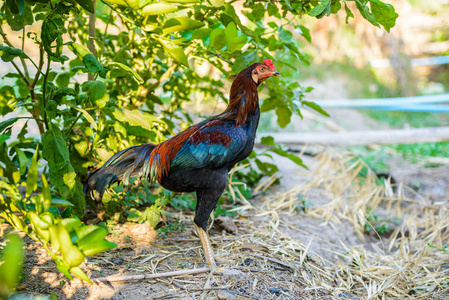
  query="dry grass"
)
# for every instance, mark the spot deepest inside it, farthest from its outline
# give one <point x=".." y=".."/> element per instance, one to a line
<point x="270" y="264"/>
<point x="401" y="266"/>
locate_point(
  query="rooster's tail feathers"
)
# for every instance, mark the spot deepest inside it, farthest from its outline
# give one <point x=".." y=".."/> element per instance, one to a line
<point x="131" y="162"/>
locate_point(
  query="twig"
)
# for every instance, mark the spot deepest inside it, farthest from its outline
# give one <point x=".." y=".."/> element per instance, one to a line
<point x="20" y="73"/>
<point x="279" y="262"/>
<point x="180" y="286"/>
<point x="151" y="276"/>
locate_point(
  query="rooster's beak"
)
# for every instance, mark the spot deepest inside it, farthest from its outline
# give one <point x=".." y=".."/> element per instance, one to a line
<point x="277" y="74"/>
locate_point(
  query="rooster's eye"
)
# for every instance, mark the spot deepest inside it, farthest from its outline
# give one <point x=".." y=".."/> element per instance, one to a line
<point x="262" y="69"/>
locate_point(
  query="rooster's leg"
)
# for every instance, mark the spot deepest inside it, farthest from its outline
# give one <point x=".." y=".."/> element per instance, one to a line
<point x="206" y="201"/>
<point x="207" y="247"/>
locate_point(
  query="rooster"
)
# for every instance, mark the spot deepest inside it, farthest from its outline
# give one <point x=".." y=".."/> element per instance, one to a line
<point x="199" y="158"/>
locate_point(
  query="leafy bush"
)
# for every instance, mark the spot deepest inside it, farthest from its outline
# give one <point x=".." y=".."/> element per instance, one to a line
<point x="142" y="68"/>
<point x="70" y="240"/>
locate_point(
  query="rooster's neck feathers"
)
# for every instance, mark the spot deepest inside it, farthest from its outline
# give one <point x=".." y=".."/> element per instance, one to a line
<point x="243" y="99"/>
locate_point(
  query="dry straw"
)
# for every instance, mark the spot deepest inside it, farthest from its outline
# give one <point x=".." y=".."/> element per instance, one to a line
<point x="406" y="265"/>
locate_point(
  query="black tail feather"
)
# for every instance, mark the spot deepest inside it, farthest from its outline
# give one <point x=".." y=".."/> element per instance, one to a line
<point x="121" y="166"/>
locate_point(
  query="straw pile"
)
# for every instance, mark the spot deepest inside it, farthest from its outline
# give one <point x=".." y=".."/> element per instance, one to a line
<point x="411" y="263"/>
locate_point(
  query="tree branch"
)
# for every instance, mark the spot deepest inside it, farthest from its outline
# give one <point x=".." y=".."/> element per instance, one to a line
<point x="44" y="89"/>
<point x="41" y="64"/>
<point x="25" y="68"/>
<point x="20" y="73"/>
<point x="92" y="35"/>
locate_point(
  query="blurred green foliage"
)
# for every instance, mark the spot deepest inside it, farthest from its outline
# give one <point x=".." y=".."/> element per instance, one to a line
<point x="64" y="237"/>
<point x="11" y="260"/>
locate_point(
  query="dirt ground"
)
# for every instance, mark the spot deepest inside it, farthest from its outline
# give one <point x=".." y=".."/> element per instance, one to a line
<point x="271" y="249"/>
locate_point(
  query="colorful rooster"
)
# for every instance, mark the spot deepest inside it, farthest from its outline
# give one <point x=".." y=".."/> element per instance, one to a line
<point x="199" y="158"/>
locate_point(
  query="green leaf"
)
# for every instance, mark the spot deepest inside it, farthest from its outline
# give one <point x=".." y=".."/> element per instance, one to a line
<point x="88" y="117"/>
<point x="80" y="274"/>
<point x="7" y="123"/>
<point x="10" y="171"/>
<point x="335" y="6"/>
<point x="51" y="109"/>
<point x="284" y="115"/>
<point x="8" y="53"/>
<point x="177" y="24"/>
<point x="270" y="104"/>
<point x="58" y="202"/>
<point x="305" y="32"/>
<point x="78" y="49"/>
<point x="62" y="92"/>
<point x="71" y="254"/>
<point x="32" y="174"/>
<point x="296" y="159"/>
<point x="23" y="160"/>
<point x="17" y="21"/>
<point x="134" y="118"/>
<point x="160" y="8"/>
<point x="217" y="38"/>
<point x="13" y="6"/>
<point x="266" y="167"/>
<point x="63" y="79"/>
<point x="8" y="100"/>
<point x="231" y="31"/>
<point x="315" y="107"/>
<point x="364" y="11"/>
<point x="64" y="271"/>
<point x="98" y="234"/>
<point x="183" y="1"/>
<point x="258" y="12"/>
<point x="233" y="41"/>
<point x="52" y="30"/>
<point x="127" y="69"/>
<point x="320" y="8"/>
<point x="88" y="59"/>
<point x="217" y="3"/>
<point x="62" y="174"/>
<point x="272" y="9"/>
<point x="71" y="224"/>
<point x="267" y="140"/>
<point x="12" y="259"/>
<point x="46" y="193"/>
<point x="384" y="14"/>
<point x="98" y="247"/>
<point x="92" y="64"/>
<point x="87" y="5"/>
<point x="349" y="13"/>
<point x="97" y="92"/>
<point x="175" y="51"/>
<point x="285" y="35"/>
<point x="244" y="60"/>
<point x="230" y="11"/>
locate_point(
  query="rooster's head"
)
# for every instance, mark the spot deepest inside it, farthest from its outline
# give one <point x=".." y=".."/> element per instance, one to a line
<point x="262" y="71"/>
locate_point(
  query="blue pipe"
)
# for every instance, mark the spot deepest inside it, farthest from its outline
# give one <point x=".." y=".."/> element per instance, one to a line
<point x="382" y="102"/>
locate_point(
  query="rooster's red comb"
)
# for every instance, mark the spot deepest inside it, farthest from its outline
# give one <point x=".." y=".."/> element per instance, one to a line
<point x="269" y="63"/>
